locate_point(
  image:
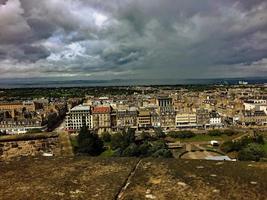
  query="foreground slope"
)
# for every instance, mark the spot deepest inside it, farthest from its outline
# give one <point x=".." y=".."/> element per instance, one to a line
<point x="129" y="178"/>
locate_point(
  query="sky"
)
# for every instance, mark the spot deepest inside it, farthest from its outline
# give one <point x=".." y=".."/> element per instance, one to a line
<point x="133" y="39"/>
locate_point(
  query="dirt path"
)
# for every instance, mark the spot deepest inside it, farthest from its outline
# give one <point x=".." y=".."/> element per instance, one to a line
<point x="65" y="144"/>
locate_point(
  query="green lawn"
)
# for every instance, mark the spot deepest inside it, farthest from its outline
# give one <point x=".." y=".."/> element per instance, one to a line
<point x="74" y="142"/>
<point x="107" y="153"/>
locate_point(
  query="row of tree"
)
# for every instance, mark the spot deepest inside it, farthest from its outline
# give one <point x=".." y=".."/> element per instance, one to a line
<point x="248" y="148"/>
<point x="123" y="144"/>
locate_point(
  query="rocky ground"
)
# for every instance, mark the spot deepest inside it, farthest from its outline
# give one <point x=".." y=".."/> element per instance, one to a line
<point x="129" y="178"/>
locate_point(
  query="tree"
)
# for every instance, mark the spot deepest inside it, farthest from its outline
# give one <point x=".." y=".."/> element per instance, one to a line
<point x="89" y="142"/>
<point x="157" y="145"/>
<point x="52" y="120"/>
<point x="122" y="139"/>
<point x="181" y="134"/>
<point x="215" y="133"/>
<point x="159" y="133"/>
<point x="144" y="149"/>
<point x="229" y="132"/>
<point x="253" y="152"/>
<point x="117" y="141"/>
<point x="106" y="137"/>
<point x="131" y="150"/>
<point x="162" y="153"/>
<point x="145" y="135"/>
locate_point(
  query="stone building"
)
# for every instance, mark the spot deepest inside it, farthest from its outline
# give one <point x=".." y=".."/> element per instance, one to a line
<point x="102" y="118"/>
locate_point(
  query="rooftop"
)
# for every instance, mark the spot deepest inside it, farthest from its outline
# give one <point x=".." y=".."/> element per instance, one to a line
<point x="102" y="109"/>
<point x="81" y="108"/>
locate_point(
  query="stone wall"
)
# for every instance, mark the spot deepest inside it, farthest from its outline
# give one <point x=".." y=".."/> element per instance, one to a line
<point x="29" y="147"/>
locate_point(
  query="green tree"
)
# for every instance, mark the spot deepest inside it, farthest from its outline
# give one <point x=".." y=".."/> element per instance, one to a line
<point x="253" y="152"/>
<point x="117" y="141"/>
<point x="89" y="142"/>
<point x="131" y="150"/>
<point x="215" y="132"/>
<point x="106" y="137"/>
<point x="162" y="153"/>
<point x="229" y="132"/>
<point x="145" y="135"/>
<point x="181" y="134"/>
<point x="144" y="149"/>
<point x="159" y="133"/>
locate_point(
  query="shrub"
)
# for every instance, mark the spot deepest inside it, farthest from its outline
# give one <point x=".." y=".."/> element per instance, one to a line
<point x="229" y="132"/>
<point x="89" y="142"/>
<point x="131" y="150"/>
<point x="181" y="134"/>
<point x="106" y="137"/>
<point x="144" y="149"/>
<point x="145" y="135"/>
<point x="215" y="133"/>
<point x="122" y="139"/>
<point x="253" y="152"/>
<point x="162" y="153"/>
<point x="159" y="133"/>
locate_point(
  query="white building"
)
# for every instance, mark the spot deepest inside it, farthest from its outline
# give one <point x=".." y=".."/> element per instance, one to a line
<point x="78" y="116"/>
<point x="215" y="119"/>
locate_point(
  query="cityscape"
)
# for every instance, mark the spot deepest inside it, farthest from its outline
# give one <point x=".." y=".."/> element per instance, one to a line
<point x="133" y="100"/>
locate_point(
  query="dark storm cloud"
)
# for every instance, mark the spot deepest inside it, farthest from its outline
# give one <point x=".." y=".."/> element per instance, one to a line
<point x="151" y="38"/>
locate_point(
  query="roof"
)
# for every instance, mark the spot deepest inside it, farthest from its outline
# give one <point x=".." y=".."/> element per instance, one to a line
<point x="81" y="108"/>
<point x="102" y="109"/>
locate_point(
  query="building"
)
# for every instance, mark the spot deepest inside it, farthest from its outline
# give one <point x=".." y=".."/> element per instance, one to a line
<point x="167" y="119"/>
<point x="203" y="117"/>
<point x="144" y="119"/>
<point x="102" y="118"/>
<point x="186" y="120"/>
<point x="79" y="116"/>
<point x="164" y="104"/>
<point x="253" y="118"/>
<point x="13" y="126"/>
<point x="256" y="105"/>
<point x="126" y="119"/>
<point x="13" y="107"/>
<point x="215" y="119"/>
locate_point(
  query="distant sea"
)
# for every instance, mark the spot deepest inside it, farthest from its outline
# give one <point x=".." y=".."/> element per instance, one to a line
<point x="53" y="83"/>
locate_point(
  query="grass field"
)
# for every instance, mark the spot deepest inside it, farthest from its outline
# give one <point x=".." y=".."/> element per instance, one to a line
<point x="204" y="138"/>
<point x="107" y="153"/>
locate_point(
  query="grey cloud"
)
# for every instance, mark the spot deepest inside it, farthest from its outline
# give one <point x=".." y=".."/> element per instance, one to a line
<point x="155" y="38"/>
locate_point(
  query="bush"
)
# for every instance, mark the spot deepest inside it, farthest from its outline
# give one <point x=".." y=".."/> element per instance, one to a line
<point x="144" y="135"/>
<point x="35" y="130"/>
<point x="155" y="146"/>
<point x="122" y="139"/>
<point x="227" y="146"/>
<point x="144" y="149"/>
<point x="89" y="142"/>
<point x="253" y="152"/>
<point x="159" y="133"/>
<point x="215" y="133"/>
<point x="162" y="153"/>
<point x="229" y="132"/>
<point x="117" y="141"/>
<point x="181" y="134"/>
<point x="131" y="150"/>
<point x="106" y="137"/>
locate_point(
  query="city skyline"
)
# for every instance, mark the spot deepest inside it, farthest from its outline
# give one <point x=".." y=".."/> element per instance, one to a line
<point x="133" y="39"/>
